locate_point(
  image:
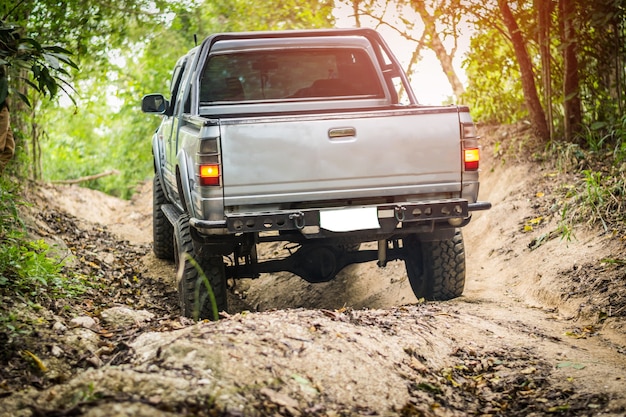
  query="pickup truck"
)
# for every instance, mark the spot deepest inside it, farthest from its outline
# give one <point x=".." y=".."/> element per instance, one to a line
<point x="313" y="138"/>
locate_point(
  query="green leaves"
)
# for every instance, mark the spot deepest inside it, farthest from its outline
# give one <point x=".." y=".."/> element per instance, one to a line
<point x="44" y="64"/>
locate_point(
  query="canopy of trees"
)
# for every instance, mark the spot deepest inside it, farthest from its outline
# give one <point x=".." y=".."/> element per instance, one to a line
<point x="568" y="57"/>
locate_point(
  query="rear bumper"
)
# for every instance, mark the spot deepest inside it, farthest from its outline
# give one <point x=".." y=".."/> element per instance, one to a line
<point x="390" y="217"/>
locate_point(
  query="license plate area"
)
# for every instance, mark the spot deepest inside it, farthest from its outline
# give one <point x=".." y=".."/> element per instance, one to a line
<point x="349" y="219"/>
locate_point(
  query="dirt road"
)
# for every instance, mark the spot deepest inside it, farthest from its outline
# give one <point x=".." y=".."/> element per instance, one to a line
<point x="540" y="330"/>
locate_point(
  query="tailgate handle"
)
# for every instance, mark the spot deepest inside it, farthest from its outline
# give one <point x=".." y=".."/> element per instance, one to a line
<point x="341" y="132"/>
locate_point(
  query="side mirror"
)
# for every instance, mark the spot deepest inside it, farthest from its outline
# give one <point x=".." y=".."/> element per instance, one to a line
<point x="154" y="103"/>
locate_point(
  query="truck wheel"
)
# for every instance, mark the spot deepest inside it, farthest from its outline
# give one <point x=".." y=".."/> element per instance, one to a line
<point x="436" y="270"/>
<point x="162" y="229"/>
<point x="193" y="293"/>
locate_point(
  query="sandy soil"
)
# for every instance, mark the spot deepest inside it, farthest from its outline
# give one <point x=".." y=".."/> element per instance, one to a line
<point x="538" y="331"/>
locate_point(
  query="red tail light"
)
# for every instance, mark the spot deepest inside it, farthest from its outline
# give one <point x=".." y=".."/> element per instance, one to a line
<point x="471" y="159"/>
<point x="210" y="174"/>
<point x="469" y="139"/>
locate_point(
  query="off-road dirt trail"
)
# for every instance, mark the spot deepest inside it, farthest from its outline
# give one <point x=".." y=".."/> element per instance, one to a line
<point x="540" y="330"/>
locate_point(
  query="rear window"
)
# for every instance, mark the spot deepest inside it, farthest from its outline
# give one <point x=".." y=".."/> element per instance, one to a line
<point x="299" y="74"/>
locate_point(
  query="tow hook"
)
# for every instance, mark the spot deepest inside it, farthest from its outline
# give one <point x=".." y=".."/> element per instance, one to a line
<point x="399" y="213"/>
<point x="298" y="219"/>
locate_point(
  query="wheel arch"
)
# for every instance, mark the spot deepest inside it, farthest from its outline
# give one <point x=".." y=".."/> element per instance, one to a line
<point x="184" y="184"/>
<point x="158" y="154"/>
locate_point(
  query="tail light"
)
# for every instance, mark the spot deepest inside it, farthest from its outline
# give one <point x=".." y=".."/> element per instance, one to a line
<point x="471" y="159"/>
<point x="471" y="151"/>
<point x="208" y="160"/>
<point x="210" y="174"/>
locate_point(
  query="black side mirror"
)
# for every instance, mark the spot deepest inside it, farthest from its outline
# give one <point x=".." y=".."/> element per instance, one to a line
<point x="154" y="103"/>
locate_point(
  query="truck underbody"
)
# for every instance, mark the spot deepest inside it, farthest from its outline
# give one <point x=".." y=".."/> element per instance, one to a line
<point x="319" y="254"/>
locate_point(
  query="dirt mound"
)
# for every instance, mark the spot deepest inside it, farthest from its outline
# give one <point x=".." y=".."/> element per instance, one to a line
<point x="539" y="331"/>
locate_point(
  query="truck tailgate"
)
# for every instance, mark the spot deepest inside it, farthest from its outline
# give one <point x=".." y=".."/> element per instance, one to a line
<point x="272" y="160"/>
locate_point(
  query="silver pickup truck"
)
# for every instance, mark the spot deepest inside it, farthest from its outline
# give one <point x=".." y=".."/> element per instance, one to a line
<point x="314" y="138"/>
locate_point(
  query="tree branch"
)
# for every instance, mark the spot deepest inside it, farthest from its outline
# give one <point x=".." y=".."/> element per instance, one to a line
<point x="88" y="178"/>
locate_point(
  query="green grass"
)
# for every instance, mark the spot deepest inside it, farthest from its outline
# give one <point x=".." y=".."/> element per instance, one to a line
<point x="598" y="194"/>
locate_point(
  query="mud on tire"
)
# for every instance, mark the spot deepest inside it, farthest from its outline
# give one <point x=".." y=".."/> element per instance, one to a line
<point x="162" y="229"/>
<point x="193" y="294"/>
<point x="436" y="270"/>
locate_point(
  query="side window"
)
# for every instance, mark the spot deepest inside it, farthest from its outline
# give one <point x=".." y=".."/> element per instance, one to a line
<point x="392" y="79"/>
<point x="400" y="96"/>
<point x="181" y="95"/>
<point x="175" y="84"/>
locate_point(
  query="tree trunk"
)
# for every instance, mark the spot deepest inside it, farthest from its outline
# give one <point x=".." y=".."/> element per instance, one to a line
<point x="355" y="10"/>
<point x="7" y="143"/>
<point x="544" y="9"/>
<point x="436" y="45"/>
<point x="537" y="115"/>
<point x="571" y="83"/>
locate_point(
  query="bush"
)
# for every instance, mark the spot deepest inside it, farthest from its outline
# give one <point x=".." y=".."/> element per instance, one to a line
<point x="598" y="194"/>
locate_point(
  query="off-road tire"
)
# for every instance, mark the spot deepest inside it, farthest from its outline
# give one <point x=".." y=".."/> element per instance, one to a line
<point x="436" y="270"/>
<point x="162" y="229"/>
<point x="193" y="294"/>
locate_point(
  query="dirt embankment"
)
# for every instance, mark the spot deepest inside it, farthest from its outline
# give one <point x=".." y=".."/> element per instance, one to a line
<point x="540" y="330"/>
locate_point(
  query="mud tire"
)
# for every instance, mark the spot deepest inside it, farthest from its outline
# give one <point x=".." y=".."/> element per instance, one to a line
<point x="436" y="270"/>
<point x="162" y="229"/>
<point x="194" y="298"/>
